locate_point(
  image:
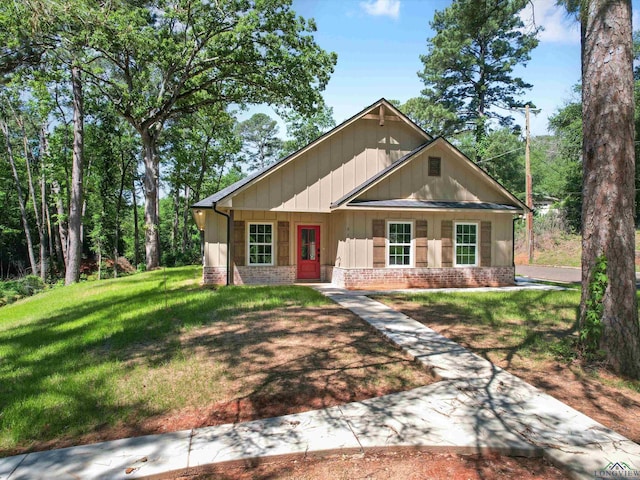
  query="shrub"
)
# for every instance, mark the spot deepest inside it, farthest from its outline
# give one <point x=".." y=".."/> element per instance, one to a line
<point x="32" y="284"/>
<point x="12" y="290"/>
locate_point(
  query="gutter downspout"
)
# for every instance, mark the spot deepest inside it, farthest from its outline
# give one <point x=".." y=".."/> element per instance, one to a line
<point x="229" y="266"/>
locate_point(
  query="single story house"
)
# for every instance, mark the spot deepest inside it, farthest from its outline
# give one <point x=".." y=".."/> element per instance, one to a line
<point x="376" y="202"/>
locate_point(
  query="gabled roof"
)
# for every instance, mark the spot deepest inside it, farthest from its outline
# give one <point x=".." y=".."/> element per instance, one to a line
<point x="350" y="197"/>
<point x="257" y="176"/>
<point x="378" y="176"/>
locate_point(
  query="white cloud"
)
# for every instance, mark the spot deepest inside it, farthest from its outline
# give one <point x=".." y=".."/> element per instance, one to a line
<point x="380" y="8"/>
<point x="558" y="26"/>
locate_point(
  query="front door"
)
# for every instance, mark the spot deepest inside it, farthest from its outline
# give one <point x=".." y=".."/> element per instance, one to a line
<point x="309" y="252"/>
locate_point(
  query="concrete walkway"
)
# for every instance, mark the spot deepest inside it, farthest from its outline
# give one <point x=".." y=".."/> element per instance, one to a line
<point x="475" y="407"/>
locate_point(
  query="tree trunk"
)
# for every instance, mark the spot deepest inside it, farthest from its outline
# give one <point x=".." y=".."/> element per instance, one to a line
<point x="74" y="254"/>
<point x="124" y="167"/>
<point x="63" y="229"/>
<point x="34" y="201"/>
<point x="608" y="208"/>
<point x="175" y="224"/>
<point x="151" y="197"/>
<point x="44" y="209"/>
<point x="186" y="238"/>
<point x="23" y="209"/>
<point x="136" y="230"/>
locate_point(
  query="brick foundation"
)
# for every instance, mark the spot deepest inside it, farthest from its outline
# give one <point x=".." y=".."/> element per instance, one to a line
<point x="388" y="278"/>
<point x="370" y="278"/>
<point x="258" y="275"/>
<point x="251" y="275"/>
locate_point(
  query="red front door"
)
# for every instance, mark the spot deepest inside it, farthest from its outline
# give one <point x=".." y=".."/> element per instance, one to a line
<point x="309" y="252"/>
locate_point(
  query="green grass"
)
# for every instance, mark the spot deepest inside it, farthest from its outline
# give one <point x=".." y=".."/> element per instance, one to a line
<point x="536" y="325"/>
<point x="62" y="351"/>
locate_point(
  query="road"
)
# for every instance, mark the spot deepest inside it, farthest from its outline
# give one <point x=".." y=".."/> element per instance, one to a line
<point x="554" y="274"/>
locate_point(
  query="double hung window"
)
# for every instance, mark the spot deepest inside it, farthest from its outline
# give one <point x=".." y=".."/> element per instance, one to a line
<point x="466" y="245"/>
<point x="399" y="235"/>
<point x="260" y="244"/>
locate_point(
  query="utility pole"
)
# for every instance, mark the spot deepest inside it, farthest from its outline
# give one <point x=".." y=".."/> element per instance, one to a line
<point x="528" y="186"/>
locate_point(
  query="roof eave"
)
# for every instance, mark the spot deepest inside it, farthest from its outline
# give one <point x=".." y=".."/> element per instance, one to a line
<point x="517" y="211"/>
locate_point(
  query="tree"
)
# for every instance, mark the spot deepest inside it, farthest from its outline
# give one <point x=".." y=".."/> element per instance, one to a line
<point x="170" y="58"/>
<point x="608" y="307"/>
<point x="199" y="148"/>
<point x="260" y="143"/>
<point x="304" y="129"/>
<point x="58" y="36"/>
<point x="468" y="69"/>
<point x="432" y="118"/>
<point x="502" y="156"/>
<point x="566" y="125"/>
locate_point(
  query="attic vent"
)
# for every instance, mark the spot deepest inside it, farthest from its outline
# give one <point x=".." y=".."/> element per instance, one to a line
<point x="434" y="166"/>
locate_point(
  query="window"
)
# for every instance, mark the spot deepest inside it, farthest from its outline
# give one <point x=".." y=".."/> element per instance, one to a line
<point x="399" y="236"/>
<point x="466" y="244"/>
<point x="434" y="166"/>
<point x="260" y="244"/>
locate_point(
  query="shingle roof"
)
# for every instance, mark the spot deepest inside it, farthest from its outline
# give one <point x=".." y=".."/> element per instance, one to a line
<point x="432" y="205"/>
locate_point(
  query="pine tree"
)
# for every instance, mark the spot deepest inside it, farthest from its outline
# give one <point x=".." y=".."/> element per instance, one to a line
<point x="468" y="69"/>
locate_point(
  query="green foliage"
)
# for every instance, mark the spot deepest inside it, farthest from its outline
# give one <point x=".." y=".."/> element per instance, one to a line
<point x="591" y="326"/>
<point x="432" y="117"/>
<point x="468" y="68"/>
<point x="12" y="290"/>
<point x="149" y="79"/>
<point x="260" y="143"/>
<point x="303" y="129"/>
<point x="501" y="154"/>
<point x="566" y="124"/>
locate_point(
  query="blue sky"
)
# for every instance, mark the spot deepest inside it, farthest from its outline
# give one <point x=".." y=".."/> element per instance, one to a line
<point x="379" y="43"/>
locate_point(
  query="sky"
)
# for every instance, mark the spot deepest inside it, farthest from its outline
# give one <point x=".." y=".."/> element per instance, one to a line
<point x="379" y="43"/>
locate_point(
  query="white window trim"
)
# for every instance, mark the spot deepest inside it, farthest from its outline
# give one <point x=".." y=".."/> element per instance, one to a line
<point x="273" y="244"/>
<point x="411" y="244"/>
<point x="455" y="244"/>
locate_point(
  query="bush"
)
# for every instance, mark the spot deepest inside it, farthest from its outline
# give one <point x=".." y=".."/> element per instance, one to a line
<point x="12" y="290"/>
<point x="32" y="284"/>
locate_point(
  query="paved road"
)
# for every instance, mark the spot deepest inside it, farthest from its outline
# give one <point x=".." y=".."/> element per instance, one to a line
<point x="554" y="274"/>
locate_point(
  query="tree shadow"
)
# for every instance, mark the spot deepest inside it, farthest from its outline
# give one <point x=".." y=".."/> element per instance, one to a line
<point x="58" y="370"/>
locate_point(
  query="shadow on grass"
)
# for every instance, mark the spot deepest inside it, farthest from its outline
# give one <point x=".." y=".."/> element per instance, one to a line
<point x="538" y="327"/>
<point x="58" y="370"/>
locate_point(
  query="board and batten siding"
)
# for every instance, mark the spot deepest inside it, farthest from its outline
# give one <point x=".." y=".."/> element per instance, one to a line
<point x="216" y="235"/>
<point x="356" y="240"/>
<point x="215" y="240"/>
<point x="331" y="169"/>
<point x="458" y="181"/>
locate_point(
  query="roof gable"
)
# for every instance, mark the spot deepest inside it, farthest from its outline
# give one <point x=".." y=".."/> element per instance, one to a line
<point x="382" y="111"/>
<point x="406" y="183"/>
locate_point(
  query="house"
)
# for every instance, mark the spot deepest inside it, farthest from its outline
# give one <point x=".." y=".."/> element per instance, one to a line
<point x="374" y="203"/>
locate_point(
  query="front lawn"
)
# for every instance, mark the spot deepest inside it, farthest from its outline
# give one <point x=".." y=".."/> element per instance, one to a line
<point x="530" y="334"/>
<point x="157" y="352"/>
